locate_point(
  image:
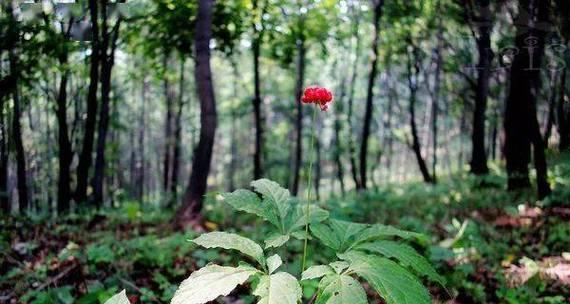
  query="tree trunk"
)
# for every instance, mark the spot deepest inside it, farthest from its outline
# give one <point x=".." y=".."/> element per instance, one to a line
<point x="551" y="107"/>
<point x="107" y="62"/>
<point x="168" y="138"/>
<point x="86" y="157"/>
<point x="563" y="114"/>
<point x="299" y="119"/>
<point x="193" y="199"/>
<point x="370" y="93"/>
<point x="350" y="144"/>
<point x="478" y="155"/>
<point x="177" y="138"/>
<point x="413" y="72"/>
<point x="17" y="138"/>
<point x="338" y="149"/>
<point x="520" y="113"/>
<point x="4" y="195"/>
<point x="436" y="93"/>
<point x="141" y="161"/>
<point x="257" y="116"/>
<point x="65" y="153"/>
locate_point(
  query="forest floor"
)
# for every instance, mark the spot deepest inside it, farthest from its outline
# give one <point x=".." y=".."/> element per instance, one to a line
<point x="492" y="246"/>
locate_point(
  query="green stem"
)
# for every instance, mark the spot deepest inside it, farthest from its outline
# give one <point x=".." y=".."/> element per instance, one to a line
<point x="309" y="176"/>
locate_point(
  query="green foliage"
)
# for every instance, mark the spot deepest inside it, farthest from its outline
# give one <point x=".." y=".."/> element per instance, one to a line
<point x="394" y="283"/>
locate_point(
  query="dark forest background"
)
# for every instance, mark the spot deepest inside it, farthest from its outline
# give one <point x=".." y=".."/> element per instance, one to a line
<point x="155" y="106"/>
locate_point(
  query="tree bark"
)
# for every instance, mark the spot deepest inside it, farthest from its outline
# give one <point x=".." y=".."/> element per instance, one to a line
<point x="108" y="47"/>
<point x="65" y="153"/>
<point x="563" y="114"/>
<point x="350" y="144"/>
<point x="436" y="93"/>
<point x="299" y="119"/>
<point x="551" y="107"/>
<point x="193" y="199"/>
<point x="4" y="195"/>
<point x="86" y="157"/>
<point x="177" y="137"/>
<point x="478" y="154"/>
<point x="520" y="113"/>
<point x="413" y="67"/>
<point x="168" y="138"/>
<point x="370" y="93"/>
<point x="257" y="115"/>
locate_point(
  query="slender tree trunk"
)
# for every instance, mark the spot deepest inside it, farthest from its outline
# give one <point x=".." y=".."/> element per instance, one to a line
<point x="4" y="194"/>
<point x="177" y="137"/>
<point x="257" y="116"/>
<point x="299" y="119"/>
<point x="563" y="114"/>
<point x="107" y="62"/>
<point x="370" y="93"/>
<point x="478" y="155"/>
<point x="193" y="199"/>
<point x="65" y="153"/>
<point x="551" y="107"/>
<point x="413" y="72"/>
<point x="520" y="113"/>
<point x="141" y="161"/>
<point x="436" y="93"/>
<point x="17" y="139"/>
<point x="338" y="149"/>
<point x="86" y="157"/>
<point x="168" y="138"/>
<point x="352" y="86"/>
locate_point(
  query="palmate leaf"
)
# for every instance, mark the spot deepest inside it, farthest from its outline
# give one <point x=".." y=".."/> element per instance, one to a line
<point x="406" y="255"/>
<point x="210" y="282"/>
<point x="273" y="194"/>
<point x="276" y="240"/>
<point x="120" y="298"/>
<point x="231" y="241"/>
<point x="392" y="282"/>
<point x="337" y="234"/>
<point x="297" y="218"/>
<point x="273" y="262"/>
<point x="379" y="231"/>
<point x="248" y="201"/>
<point x="317" y="271"/>
<point x="340" y="289"/>
<point x="278" y="288"/>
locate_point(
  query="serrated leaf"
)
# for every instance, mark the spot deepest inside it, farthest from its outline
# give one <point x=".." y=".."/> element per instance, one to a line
<point x="337" y="234"/>
<point x="210" y="282"/>
<point x="317" y="271"/>
<point x="297" y="218"/>
<point x="379" y="231"/>
<point x="231" y="241"/>
<point x="406" y="255"/>
<point x="326" y="235"/>
<point x="391" y="281"/>
<point x="247" y="201"/>
<point x="278" y="288"/>
<point x="120" y="298"/>
<point x="276" y="241"/>
<point x="340" y="289"/>
<point x="273" y="262"/>
<point x="273" y="194"/>
<point x="339" y="266"/>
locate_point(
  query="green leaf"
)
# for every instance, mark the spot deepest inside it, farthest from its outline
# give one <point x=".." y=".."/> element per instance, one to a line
<point x="340" y="289"/>
<point x="337" y="234"/>
<point x="326" y="235"/>
<point x="339" y="266"/>
<point x="379" y="231"/>
<point x="406" y="255"/>
<point x="273" y="262"/>
<point x="317" y="271"/>
<point x="276" y="241"/>
<point x="231" y="241"/>
<point x="247" y="201"/>
<point x="298" y="217"/>
<point x="274" y="195"/>
<point x="392" y="282"/>
<point x="120" y="298"/>
<point x="210" y="282"/>
<point x="278" y="288"/>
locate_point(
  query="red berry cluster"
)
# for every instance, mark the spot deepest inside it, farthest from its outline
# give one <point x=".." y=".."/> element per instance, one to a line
<point x="319" y="96"/>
